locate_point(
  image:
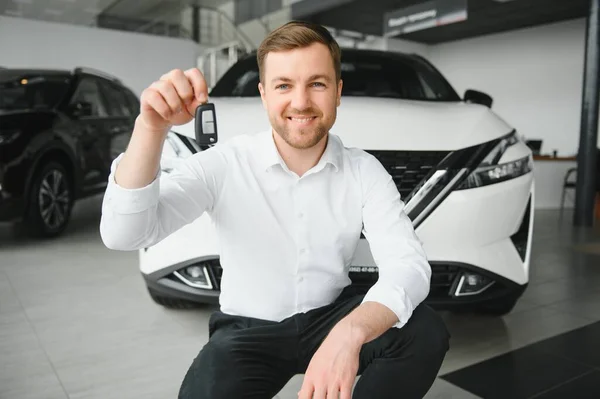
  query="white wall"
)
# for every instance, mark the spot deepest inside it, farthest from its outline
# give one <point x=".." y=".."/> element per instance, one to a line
<point x="136" y="59"/>
<point x="535" y="76"/>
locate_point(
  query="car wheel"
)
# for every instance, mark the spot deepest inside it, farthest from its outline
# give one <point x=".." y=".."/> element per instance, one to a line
<point x="50" y="201"/>
<point x="172" y="303"/>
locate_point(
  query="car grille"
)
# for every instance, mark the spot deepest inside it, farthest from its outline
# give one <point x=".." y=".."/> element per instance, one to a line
<point x="442" y="279"/>
<point x="216" y="271"/>
<point x="408" y="168"/>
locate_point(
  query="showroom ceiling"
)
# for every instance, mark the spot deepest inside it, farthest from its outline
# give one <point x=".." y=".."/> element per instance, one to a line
<point x="365" y="16"/>
<point x="84" y="12"/>
<point x="484" y="17"/>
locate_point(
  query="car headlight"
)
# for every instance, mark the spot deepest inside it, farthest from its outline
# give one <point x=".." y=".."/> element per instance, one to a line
<point x="491" y="172"/>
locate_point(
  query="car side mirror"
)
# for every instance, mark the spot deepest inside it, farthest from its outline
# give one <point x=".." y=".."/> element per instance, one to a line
<point x="478" y="97"/>
<point x="80" y="109"/>
<point x="206" y="124"/>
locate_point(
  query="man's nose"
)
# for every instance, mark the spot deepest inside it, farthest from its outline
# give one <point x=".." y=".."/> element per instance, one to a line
<point x="300" y="99"/>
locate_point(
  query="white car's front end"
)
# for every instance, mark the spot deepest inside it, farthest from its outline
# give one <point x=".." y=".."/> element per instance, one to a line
<point x="464" y="174"/>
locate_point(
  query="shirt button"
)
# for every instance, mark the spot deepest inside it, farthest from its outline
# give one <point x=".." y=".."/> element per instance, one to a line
<point x="300" y="279"/>
<point x="300" y="215"/>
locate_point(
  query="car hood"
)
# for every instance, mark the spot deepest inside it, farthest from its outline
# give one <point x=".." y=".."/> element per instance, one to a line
<point x="377" y="123"/>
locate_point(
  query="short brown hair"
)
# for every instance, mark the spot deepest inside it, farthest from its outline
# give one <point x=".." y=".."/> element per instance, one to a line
<point x="298" y="34"/>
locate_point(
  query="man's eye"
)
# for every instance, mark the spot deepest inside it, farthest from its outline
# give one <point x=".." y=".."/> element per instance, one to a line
<point x="281" y="86"/>
<point x="318" y="84"/>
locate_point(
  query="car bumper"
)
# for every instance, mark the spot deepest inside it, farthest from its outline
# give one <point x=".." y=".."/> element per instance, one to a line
<point x="11" y="208"/>
<point x="166" y="284"/>
<point x="484" y="232"/>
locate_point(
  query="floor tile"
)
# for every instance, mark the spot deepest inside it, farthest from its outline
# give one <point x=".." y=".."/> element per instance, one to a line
<point x="291" y="389"/>
<point x="587" y="305"/>
<point x="583" y="387"/>
<point x="551" y="292"/>
<point x="515" y="375"/>
<point x="444" y="390"/>
<point x="25" y="372"/>
<point x="581" y="345"/>
<point x="439" y="390"/>
<point x="8" y="298"/>
<point x="472" y="334"/>
<point x="76" y="315"/>
<point x="527" y="327"/>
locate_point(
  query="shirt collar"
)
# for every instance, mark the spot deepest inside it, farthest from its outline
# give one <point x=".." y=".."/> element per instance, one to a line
<point x="269" y="155"/>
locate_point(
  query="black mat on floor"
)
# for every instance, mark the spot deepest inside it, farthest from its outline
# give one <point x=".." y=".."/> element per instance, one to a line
<point x="565" y="366"/>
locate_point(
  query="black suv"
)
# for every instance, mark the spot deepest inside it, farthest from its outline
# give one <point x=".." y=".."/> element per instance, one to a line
<point x="59" y="132"/>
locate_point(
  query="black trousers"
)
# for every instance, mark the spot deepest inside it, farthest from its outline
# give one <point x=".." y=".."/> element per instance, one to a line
<point x="253" y="358"/>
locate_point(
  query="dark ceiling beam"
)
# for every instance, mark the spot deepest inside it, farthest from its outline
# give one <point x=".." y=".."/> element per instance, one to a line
<point x="484" y="17"/>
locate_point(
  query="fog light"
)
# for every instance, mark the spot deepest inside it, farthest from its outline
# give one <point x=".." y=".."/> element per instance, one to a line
<point x="472" y="284"/>
<point x="195" y="276"/>
<point x="194" y="271"/>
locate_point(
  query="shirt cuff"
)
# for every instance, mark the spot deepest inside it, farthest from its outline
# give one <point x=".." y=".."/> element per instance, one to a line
<point x="394" y="298"/>
<point x="126" y="201"/>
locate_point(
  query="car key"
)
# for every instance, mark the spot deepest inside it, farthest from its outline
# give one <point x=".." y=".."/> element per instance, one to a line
<point x="206" y="124"/>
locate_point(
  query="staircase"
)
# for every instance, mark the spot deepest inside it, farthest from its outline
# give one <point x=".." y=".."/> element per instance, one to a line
<point x="224" y="42"/>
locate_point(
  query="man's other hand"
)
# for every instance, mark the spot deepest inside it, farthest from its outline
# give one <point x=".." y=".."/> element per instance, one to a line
<point x="333" y="368"/>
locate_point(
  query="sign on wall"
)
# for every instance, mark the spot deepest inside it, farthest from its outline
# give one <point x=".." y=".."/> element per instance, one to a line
<point x="424" y="16"/>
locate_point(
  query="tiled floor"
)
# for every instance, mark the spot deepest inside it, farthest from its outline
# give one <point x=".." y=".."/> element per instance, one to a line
<point x="76" y="321"/>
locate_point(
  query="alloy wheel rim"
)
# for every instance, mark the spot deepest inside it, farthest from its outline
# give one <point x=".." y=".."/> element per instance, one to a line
<point x="54" y="199"/>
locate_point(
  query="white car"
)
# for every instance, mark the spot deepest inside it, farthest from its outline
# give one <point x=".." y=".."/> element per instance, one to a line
<point x="463" y="173"/>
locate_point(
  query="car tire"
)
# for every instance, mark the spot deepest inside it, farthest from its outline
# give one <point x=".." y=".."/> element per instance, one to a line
<point x="50" y="201"/>
<point x="172" y="303"/>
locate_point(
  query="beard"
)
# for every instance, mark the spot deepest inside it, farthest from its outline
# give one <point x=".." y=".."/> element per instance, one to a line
<point x="301" y="138"/>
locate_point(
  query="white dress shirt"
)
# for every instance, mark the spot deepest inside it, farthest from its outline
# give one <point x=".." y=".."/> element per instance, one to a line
<point x="286" y="242"/>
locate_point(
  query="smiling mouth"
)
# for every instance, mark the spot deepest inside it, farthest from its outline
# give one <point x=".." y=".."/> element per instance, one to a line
<point x="304" y="119"/>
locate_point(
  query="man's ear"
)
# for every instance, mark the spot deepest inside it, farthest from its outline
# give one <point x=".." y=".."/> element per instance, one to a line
<point x="261" y="90"/>
<point x="339" y="92"/>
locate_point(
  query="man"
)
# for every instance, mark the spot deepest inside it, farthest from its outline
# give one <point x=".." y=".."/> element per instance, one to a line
<point x="289" y="206"/>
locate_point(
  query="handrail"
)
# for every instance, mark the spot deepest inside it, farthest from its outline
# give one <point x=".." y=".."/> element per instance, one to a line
<point x="238" y="33"/>
<point x="246" y="41"/>
<point x="159" y="19"/>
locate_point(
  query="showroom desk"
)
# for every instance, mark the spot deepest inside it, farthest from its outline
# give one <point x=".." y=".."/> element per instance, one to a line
<point x="549" y="175"/>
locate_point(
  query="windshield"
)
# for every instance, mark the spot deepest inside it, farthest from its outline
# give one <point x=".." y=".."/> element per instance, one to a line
<point x="364" y="75"/>
<point x="31" y="92"/>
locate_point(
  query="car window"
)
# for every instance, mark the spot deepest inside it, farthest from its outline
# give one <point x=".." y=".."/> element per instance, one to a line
<point x="380" y="77"/>
<point x="133" y="103"/>
<point x="89" y="91"/>
<point x="371" y="75"/>
<point x="241" y="80"/>
<point x="116" y="100"/>
<point x="32" y="92"/>
<point x="247" y="84"/>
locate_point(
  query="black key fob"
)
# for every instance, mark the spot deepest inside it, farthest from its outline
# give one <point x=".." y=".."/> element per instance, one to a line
<point x="206" y="124"/>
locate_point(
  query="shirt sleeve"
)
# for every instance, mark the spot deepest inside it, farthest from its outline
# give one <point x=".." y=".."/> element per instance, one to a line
<point x="137" y="218"/>
<point x="404" y="271"/>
